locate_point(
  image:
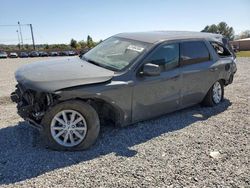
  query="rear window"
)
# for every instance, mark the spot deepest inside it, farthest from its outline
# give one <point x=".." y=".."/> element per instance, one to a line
<point x="221" y="50"/>
<point x="194" y="52"/>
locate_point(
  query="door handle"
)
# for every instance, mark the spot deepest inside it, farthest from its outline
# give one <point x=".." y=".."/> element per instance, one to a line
<point x="213" y="69"/>
<point x="175" y="77"/>
<point x="130" y="83"/>
<point x="172" y="78"/>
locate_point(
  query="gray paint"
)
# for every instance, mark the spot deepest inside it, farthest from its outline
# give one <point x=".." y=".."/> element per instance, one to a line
<point x="133" y="96"/>
<point x="54" y="75"/>
<point x="156" y="95"/>
<point x="159" y="36"/>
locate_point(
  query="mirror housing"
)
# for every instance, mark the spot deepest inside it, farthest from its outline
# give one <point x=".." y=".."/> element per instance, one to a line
<point x="150" y="69"/>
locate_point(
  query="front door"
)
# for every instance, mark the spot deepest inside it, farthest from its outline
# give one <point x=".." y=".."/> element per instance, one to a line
<point x="157" y="95"/>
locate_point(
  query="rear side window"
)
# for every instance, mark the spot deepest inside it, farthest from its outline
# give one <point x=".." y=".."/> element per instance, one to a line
<point x="194" y="52"/>
<point x="221" y="50"/>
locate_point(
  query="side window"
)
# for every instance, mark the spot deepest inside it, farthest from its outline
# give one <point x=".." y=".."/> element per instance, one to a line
<point x="194" y="52"/>
<point x="166" y="56"/>
<point x="221" y="50"/>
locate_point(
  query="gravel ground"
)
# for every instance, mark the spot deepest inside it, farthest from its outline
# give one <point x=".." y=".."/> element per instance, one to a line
<point x="195" y="147"/>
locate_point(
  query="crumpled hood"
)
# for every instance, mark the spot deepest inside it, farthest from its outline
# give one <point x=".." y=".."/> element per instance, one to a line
<point x="57" y="74"/>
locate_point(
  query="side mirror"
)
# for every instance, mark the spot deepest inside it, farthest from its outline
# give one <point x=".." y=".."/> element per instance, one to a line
<point x="150" y="69"/>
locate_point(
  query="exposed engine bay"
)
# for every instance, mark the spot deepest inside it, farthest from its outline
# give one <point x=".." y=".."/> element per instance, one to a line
<point x="32" y="105"/>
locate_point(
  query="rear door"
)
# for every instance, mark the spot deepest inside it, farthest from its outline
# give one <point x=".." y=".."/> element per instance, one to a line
<point x="197" y="76"/>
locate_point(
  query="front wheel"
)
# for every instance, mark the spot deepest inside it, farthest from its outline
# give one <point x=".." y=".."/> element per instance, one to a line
<point x="71" y="125"/>
<point x="215" y="94"/>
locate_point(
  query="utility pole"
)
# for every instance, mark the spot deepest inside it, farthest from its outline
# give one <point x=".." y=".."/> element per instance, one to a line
<point x="33" y="41"/>
<point x="18" y="39"/>
<point x="20" y="33"/>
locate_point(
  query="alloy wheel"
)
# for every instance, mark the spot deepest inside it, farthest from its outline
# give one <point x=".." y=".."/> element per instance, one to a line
<point x="68" y="128"/>
<point x="217" y="92"/>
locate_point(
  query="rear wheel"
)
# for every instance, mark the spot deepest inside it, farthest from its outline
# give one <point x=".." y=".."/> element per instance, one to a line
<point x="215" y="94"/>
<point x="71" y="125"/>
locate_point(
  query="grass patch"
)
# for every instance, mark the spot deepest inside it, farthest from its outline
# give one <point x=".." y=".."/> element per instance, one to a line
<point x="243" y="54"/>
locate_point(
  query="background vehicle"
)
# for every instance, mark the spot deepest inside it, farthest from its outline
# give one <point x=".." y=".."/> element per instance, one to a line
<point x="34" y="54"/>
<point x="54" y="54"/>
<point x="23" y="54"/>
<point x="64" y="53"/>
<point x="72" y="53"/>
<point x="43" y="54"/>
<point x="127" y="78"/>
<point x="82" y="52"/>
<point x="3" y="54"/>
<point x="13" y="55"/>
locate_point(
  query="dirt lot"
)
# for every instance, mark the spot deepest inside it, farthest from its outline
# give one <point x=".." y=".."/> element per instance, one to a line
<point x="172" y="151"/>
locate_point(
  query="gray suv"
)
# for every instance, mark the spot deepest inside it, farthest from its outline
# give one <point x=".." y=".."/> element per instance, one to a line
<point x="127" y="78"/>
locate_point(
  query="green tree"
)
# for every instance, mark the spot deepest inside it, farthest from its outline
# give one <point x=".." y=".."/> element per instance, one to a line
<point x="82" y="44"/>
<point x="27" y="47"/>
<point x="46" y="46"/>
<point x="245" y="34"/>
<point x="73" y="43"/>
<point x="90" y="42"/>
<point x="59" y="46"/>
<point x="210" y="29"/>
<point x="221" y="28"/>
<point x="18" y="46"/>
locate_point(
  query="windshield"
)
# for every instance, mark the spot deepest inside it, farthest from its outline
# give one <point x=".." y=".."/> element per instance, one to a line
<point x="115" y="53"/>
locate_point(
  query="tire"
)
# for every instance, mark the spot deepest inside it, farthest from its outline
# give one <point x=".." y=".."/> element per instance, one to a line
<point x="88" y="127"/>
<point x="209" y="99"/>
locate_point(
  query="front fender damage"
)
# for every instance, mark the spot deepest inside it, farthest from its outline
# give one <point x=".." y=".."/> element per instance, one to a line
<point x="32" y="105"/>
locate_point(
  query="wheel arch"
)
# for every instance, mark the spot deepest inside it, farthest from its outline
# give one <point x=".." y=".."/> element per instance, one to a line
<point x="105" y="110"/>
<point x="223" y="81"/>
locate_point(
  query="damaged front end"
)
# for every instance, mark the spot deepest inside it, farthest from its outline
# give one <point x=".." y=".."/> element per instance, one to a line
<point x="32" y="105"/>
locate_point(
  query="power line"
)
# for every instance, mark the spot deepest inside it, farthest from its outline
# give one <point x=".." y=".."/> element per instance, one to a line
<point x="14" y="25"/>
<point x="20" y="32"/>
<point x="14" y="40"/>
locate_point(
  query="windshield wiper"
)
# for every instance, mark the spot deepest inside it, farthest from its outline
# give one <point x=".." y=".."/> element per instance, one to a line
<point x="95" y="63"/>
<point x="98" y="64"/>
<point x="91" y="61"/>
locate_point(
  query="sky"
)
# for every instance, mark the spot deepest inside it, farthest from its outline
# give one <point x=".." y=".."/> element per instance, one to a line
<point x="58" y="21"/>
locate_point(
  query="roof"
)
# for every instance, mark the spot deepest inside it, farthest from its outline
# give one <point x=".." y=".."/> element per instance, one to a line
<point x="158" y="36"/>
<point x="245" y="39"/>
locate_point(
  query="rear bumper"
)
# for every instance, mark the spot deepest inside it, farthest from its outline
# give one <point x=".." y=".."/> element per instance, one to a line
<point x="231" y="76"/>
